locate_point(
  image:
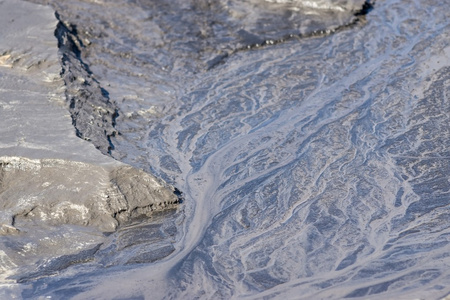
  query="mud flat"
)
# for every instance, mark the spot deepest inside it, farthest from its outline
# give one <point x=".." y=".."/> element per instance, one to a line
<point x="312" y="152"/>
<point x="315" y="168"/>
<point x="51" y="181"/>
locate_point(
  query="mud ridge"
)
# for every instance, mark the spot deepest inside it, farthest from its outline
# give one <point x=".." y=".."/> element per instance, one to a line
<point x="114" y="195"/>
<point x="259" y="42"/>
<point x="93" y="114"/>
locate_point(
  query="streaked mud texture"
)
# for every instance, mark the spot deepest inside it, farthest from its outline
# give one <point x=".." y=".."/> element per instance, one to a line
<point x="310" y="141"/>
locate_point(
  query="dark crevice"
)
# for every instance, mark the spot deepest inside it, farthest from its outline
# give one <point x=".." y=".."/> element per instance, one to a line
<point x="93" y="114"/>
<point x="179" y="195"/>
<point x="366" y="8"/>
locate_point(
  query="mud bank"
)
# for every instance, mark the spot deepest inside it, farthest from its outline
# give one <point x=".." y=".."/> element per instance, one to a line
<point x="59" y="192"/>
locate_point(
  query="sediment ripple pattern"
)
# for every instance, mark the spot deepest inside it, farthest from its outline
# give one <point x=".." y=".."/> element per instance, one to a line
<point x="325" y="173"/>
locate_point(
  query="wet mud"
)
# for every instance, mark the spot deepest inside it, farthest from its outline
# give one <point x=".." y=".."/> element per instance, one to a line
<point x="316" y="167"/>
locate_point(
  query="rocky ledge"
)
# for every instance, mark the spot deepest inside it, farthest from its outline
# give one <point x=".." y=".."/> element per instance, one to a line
<point x="56" y="191"/>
